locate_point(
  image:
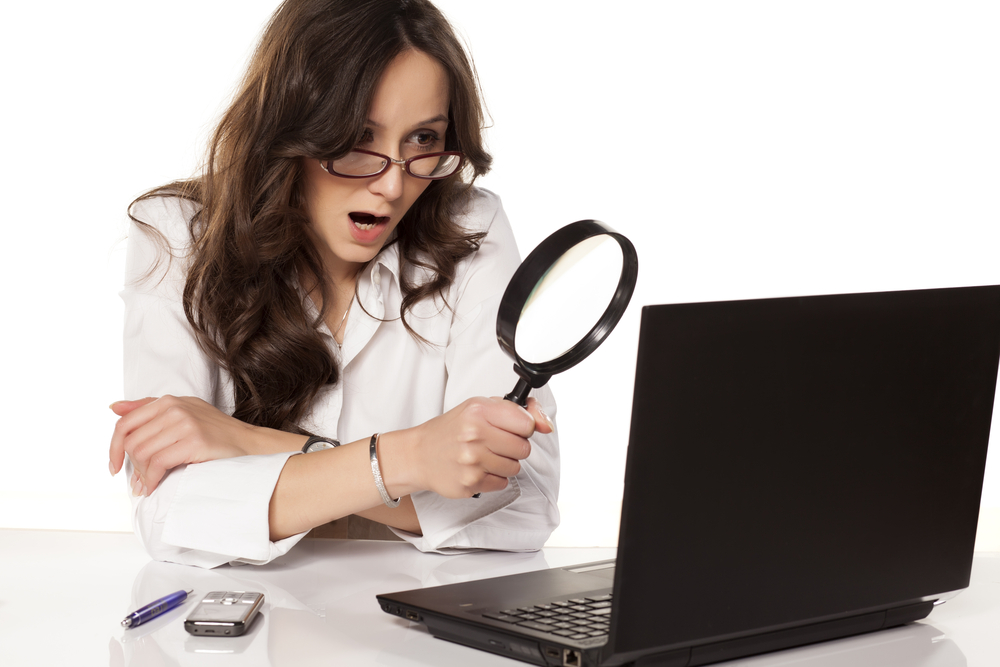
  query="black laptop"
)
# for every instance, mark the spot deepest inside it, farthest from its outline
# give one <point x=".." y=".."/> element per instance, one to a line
<point x="798" y="470"/>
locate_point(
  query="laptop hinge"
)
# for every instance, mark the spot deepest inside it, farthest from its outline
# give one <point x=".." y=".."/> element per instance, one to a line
<point x="774" y="641"/>
<point x="678" y="658"/>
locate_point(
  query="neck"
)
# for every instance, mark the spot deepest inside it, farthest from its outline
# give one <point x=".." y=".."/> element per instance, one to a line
<point x="342" y="274"/>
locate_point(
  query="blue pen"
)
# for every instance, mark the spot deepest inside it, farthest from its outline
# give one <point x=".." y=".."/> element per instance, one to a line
<point x="155" y="608"/>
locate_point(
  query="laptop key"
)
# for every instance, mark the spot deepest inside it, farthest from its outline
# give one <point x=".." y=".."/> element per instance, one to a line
<point x="600" y="598"/>
<point x="502" y="617"/>
<point x="511" y="612"/>
<point x="601" y="612"/>
<point x="535" y="625"/>
<point x="597" y="633"/>
<point x="578" y="600"/>
<point x="599" y="605"/>
<point x="563" y="617"/>
<point x="562" y="632"/>
<point x="563" y="625"/>
<point x="581" y="635"/>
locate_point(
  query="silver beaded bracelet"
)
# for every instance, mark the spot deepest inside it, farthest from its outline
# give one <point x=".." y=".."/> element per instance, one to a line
<point x="377" y="474"/>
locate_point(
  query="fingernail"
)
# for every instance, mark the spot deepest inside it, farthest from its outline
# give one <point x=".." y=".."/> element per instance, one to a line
<point x="112" y="406"/>
<point x="135" y="477"/>
<point x="111" y="467"/>
<point x="135" y="488"/>
<point x="142" y="489"/>
<point x="547" y="420"/>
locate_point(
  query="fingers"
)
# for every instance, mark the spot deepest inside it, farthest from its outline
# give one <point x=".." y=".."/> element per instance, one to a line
<point x="491" y="463"/>
<point x="116" y="453"/>
<point x="122" y="408"/>
<point x="147" y="428"/>
<point x="505" y="415"/>
<point x="492" y="483"/>
<point x="155" y="447"/>
<point x="158" y="436"/>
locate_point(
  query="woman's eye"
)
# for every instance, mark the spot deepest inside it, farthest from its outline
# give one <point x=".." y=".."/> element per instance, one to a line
<point x="426" y="139"/>
<point x="366" y="137"/>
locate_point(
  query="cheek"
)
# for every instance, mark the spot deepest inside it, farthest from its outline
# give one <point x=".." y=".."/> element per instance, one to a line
<point x="324" y="195"/>
<point x="418" y="188"/>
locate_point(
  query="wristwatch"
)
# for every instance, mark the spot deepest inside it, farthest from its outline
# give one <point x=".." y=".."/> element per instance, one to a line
<point x="318" y="443"/>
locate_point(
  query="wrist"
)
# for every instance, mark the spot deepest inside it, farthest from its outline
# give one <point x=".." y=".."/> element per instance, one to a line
<point x="261" y="440"/>
<point x="400" y="473"/>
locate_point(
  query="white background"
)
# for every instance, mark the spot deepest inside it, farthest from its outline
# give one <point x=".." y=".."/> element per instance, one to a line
<point x="749" y="149"/>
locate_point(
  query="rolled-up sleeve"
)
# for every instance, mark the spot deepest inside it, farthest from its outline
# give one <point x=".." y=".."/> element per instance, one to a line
<point x="210" y="513"/>
<point x="522" y="516"/>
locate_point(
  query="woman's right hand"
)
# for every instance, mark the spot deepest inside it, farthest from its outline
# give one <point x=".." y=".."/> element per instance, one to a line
<point x="159" y="434"/>
<point x="472" y="448"/>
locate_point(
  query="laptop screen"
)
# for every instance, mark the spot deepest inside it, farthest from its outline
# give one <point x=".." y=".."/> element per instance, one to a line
<point x="802" y="458"/>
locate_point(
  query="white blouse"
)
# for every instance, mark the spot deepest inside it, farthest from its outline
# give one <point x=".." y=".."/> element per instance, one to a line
<point x="216" y="512"/>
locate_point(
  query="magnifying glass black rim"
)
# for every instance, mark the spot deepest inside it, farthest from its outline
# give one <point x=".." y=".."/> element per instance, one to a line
<point x="534" y="268"/>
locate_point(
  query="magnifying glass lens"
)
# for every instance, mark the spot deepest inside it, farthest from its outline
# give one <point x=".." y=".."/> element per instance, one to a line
<point x="569" y="300"/>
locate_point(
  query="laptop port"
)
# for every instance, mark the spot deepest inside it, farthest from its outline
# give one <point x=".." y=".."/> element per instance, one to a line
<point x="552" y="652"/>
<point x="571" y="658"/>
<point x="412" y="615"/>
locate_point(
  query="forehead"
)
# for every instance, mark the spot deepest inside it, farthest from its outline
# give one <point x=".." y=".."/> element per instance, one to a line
<point x="413" y="88"/>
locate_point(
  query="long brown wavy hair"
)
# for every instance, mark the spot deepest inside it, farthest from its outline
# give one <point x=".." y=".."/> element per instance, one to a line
<point x="307" y="93"/>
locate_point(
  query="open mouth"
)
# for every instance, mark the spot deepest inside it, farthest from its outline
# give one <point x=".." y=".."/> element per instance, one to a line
<point x="367" y="221"/>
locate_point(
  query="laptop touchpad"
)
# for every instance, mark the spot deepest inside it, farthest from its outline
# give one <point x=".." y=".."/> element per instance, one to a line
<point x="605" y="570"/>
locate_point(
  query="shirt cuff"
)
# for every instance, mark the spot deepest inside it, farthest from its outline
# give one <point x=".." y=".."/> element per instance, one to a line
<point x="221" y="507"/>
<point x="446" y="523"/>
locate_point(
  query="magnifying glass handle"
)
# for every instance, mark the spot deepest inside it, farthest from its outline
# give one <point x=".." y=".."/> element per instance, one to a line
<point x="519" y="394"/>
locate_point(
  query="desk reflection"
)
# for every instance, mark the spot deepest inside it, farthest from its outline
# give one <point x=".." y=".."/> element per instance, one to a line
<point x="319" y="602"/>
<point x="319" y="608"/>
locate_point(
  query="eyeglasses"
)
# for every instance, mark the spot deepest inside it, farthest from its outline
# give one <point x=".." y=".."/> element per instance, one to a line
<point x="360" y="163"/>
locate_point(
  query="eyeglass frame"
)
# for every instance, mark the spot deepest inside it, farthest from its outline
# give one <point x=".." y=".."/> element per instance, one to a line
<point x="405" y="164"/>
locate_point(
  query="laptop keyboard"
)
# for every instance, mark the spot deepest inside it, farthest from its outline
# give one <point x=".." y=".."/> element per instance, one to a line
<point x="577" y="618"/>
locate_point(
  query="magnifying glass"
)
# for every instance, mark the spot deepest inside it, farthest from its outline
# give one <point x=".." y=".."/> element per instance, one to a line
<point x="564" y="300"/>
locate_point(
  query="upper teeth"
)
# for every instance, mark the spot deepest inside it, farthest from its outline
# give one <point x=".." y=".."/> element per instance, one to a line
<point x="361" y="225"/>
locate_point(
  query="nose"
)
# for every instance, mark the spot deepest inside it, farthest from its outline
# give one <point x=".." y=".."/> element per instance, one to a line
<point x="388" y="184"/>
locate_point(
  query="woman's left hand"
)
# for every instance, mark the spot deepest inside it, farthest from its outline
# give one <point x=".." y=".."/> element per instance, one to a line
<point x="159" y="434"/>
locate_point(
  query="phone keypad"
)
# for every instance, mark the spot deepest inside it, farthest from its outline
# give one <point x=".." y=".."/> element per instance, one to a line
<point x="231" y="597"/>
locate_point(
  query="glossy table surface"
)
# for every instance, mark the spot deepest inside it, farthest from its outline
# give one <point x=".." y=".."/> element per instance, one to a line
<point x="63" y="595"/>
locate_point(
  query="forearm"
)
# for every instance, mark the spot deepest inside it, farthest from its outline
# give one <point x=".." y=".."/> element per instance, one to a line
<point x="262" y="440"/>
<point x="320" y="487"/>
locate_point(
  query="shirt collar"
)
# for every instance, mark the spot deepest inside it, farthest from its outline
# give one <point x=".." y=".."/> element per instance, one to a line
<point x="388" y="257"/>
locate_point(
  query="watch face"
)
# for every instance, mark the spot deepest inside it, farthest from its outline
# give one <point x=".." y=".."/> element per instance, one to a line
<point x="319" y="446"/>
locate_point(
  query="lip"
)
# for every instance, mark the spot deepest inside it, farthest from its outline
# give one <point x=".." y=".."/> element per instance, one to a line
<point x="372" y="235"/>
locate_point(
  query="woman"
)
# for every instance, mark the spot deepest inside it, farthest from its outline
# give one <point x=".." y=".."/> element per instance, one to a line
<point x="331" y="274"/>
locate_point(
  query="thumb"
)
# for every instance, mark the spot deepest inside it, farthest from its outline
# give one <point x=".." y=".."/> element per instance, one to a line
<point x="543" y="424"/>
<point x="122" y="408"/>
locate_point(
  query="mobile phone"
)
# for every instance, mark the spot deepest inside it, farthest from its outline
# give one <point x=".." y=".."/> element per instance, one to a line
<point x="224" y="613"/>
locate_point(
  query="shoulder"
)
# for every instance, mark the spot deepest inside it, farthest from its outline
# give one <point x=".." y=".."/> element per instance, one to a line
<point x="481" y="211"/>
<point x="484" y="214"/>
<point x="497" y="257"/>
<point x="159" y="242"/>
<point x="168" y="215"/>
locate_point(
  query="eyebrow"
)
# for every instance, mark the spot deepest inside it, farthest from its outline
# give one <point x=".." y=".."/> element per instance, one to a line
<point x="435" y="119"/>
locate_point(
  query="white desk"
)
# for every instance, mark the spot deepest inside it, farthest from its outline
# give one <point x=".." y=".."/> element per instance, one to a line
<point x="63" y="595"/>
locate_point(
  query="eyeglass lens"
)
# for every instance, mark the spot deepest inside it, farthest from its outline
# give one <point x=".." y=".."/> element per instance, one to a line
<point x="363" y="164"/>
